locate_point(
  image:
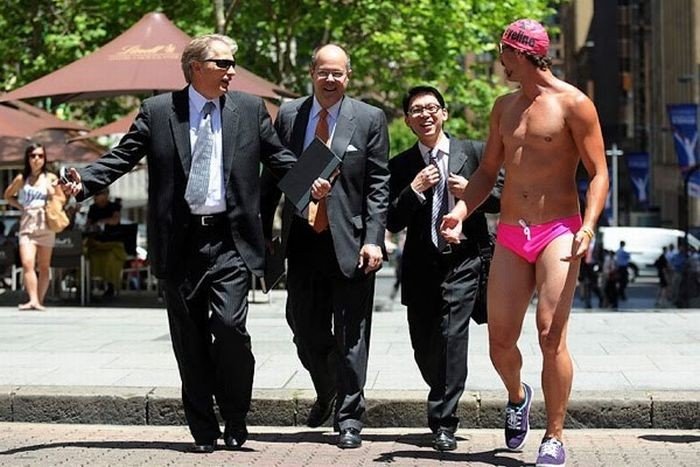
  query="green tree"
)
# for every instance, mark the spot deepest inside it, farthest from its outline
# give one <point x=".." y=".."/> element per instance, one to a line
<point x="393" y="45"/>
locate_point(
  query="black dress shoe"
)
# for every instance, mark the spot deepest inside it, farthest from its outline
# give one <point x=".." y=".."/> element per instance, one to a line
<point x="444" y="440"/>
<point x="320" y="412"/>
<point x="203" y="448"/>
<point x="235" y="437"/>
<point x="349" y="438"/>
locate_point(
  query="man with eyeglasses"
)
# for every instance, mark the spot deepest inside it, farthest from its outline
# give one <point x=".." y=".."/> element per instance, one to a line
<point x="336" y="246"/>
<point x="539" y="133"/>
<point x="439" y="282"/>
<point x="204" y="145"/>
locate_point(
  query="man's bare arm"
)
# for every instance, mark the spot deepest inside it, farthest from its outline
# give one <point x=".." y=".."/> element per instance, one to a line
<point x="481" y="181"/>
<point x="585" y="129"/>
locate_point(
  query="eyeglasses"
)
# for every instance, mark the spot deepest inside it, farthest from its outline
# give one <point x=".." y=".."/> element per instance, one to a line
<point x="503" y="47"/>
<point x="418" y="110"/>
<point x="35" y="155"/>
<point x="324" y="74"/>
<point x="222" y="63"/>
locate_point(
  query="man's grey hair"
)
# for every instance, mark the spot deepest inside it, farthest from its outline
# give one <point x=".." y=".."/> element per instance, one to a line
<point x="198" y="50"/>
<point x="314" y="56"/>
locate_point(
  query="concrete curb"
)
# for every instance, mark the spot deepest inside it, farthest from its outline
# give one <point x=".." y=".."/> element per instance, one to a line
<point x="162" y="406"/>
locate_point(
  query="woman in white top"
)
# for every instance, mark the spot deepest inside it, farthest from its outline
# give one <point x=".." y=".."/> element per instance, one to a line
<point x="29" y="192"/>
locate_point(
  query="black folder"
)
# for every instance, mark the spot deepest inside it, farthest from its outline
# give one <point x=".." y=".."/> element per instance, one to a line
<point x="316" y="161"/>
<point x="274" y="266"/>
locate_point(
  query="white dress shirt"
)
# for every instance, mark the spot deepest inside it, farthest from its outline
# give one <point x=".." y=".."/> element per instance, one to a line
<point x="332" y="119"/>
<point x="216" y="199"/>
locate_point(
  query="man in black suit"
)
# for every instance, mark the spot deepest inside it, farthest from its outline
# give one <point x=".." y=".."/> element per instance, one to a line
<point x="204" y="145"/>
<point x="439" y="283"/>
<point x="332" y="257"/>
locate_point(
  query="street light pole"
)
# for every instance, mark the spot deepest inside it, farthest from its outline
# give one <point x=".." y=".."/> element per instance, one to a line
<point x="686" y="197"/>
<point x="614" y="152"/>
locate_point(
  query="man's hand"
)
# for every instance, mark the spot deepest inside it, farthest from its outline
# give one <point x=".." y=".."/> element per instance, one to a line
<point x="457" y="184"/>
<point x="426" y="178"/>
<point x="451" y="228"/>
<point x="320" y="189"/>
<point x="579" y="246"/>
<point x="71" y="184"/>
<point x="370" y="258"/>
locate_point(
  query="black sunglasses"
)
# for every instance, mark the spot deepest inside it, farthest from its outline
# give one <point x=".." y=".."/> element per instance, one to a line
<point x="222" y="63"/>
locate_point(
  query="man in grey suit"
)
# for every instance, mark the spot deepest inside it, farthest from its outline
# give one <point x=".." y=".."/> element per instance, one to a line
<point x="440" y="283"/>
<point x="334" y="249"/>
<point x="204" y="145"/>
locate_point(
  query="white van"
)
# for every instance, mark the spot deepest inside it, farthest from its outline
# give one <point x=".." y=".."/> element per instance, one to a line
<point x="644" y="244"/>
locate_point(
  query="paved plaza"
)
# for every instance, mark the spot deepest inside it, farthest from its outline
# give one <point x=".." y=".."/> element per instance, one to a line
<point x="24" y="444"/>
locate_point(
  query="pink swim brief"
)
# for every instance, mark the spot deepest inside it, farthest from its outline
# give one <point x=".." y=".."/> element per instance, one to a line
<point x="528" y="241"/>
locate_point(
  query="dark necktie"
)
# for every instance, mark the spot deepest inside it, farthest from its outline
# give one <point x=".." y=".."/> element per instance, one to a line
<point x="318" y="213"/>
<point x="439" y="203"/>
<point x="198" y="182"/>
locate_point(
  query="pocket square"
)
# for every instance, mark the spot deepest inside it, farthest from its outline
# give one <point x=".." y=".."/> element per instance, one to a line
<point x="351" y="148"/>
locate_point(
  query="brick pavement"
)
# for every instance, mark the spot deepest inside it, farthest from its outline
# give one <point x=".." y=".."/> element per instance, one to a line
<point x="95" y="445"/>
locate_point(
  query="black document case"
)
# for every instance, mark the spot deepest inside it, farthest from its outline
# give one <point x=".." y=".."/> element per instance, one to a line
<point x="316" y="161"/>
<point x="274" y="266"/>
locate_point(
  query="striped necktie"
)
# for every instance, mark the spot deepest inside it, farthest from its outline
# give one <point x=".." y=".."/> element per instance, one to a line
<point x="439" y="208"/>
<point x="198" y="181"/>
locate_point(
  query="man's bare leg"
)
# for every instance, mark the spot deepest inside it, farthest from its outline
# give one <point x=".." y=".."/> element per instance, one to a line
<point x="556" y="284"/>
<point x="511" y="283"/>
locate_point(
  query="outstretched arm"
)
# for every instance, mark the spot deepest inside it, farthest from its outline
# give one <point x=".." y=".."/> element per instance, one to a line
<point x="481" y="182"/>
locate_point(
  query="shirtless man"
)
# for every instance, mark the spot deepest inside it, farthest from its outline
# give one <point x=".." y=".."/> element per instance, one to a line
<point x="540" y="132"/>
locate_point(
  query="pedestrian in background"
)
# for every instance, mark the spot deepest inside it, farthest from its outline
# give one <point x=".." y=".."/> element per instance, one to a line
<point x="622" y="262"/>
<point x="662" y="266"/>
<point x="29" y="192"/>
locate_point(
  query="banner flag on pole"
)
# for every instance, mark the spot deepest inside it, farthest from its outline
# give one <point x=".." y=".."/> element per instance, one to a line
<point x="684" y="123"/>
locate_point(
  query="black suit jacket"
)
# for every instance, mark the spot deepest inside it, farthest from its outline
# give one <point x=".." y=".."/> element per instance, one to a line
<point x="359" y="198"/>
<point x="161" y="133"/>
<point x="407" y="210"/>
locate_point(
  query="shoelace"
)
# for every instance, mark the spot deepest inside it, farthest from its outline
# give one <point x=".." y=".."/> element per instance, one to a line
<point x="515" y="417"/>
<point x="551" y="448"/>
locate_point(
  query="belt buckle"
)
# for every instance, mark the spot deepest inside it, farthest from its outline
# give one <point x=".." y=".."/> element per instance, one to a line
<point x="206" y="221"/>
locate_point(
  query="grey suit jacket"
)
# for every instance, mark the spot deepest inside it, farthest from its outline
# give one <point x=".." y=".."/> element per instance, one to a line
<point x="160" y="132"/>
<point x="358" y="200"/>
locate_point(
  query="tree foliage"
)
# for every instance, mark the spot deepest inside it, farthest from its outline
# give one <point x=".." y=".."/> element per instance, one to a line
<point x="393" y="45"/>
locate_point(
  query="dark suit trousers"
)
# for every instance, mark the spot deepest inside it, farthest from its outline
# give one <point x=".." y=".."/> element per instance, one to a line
<point x="330" y="316"/>
<point x="207" y="311"/>
<point x="439" y="329"/>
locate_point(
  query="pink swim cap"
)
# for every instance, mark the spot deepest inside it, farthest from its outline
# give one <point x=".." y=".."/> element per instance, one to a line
<point x="527" y="35"/>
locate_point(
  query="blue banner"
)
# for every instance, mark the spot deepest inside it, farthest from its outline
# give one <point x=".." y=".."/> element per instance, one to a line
<point x="638" y="168"/>
<point x="684" y="123"/>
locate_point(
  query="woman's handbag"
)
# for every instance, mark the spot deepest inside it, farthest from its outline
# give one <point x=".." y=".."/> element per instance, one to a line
<point x="56" y="218"/>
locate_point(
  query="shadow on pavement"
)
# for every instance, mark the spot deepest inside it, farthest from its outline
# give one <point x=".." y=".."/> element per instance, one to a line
<point x="684" y="439"/>
<point x="175" y="446"/>
<point x="486" y="457"/>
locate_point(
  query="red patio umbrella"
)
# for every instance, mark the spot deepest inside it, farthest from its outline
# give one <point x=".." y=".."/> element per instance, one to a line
<point x="144" y="59"/>
<point x="21" y="123"/>
<point x="20" y="120"/>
